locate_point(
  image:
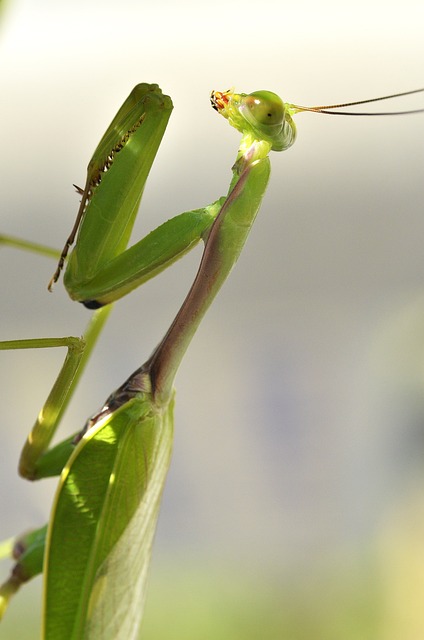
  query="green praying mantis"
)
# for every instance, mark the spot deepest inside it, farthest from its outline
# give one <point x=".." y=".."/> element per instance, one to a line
<point x="95" y="551"/>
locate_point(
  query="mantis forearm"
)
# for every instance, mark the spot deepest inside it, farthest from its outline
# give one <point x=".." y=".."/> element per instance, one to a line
<point x="142" y="261"/>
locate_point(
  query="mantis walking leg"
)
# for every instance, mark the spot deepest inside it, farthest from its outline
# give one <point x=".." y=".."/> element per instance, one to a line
<point x="36" y="460"/>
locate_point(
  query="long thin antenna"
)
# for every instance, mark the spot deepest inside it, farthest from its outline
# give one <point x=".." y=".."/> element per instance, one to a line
<point x="328" y="109"/>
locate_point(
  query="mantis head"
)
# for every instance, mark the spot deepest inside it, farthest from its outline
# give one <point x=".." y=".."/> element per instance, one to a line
<point x="260" y="116"/>
<point x="263" y="117"/>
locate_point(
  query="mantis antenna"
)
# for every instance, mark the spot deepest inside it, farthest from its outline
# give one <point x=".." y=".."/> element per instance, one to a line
<point x="329" y="108"/>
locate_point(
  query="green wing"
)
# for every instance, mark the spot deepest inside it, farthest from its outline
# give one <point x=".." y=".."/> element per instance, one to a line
<point x="103" y="524"/>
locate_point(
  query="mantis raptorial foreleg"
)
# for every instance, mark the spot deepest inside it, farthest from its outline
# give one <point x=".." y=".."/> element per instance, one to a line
<point x="100" y="268"/>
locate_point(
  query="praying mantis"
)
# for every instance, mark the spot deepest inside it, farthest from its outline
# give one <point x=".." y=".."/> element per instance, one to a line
<point x="95" y="551"/>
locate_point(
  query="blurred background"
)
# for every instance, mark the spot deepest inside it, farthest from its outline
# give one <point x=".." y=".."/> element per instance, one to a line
<point x="294" y="508"/>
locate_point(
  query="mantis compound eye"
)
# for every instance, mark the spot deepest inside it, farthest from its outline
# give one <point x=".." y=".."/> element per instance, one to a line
<point x="261" y="115"/>
<point x="268" y="118"/>
<point x="263" y="109"/>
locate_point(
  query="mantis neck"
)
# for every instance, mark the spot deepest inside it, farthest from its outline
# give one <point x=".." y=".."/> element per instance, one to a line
<point x="222" y="249"/>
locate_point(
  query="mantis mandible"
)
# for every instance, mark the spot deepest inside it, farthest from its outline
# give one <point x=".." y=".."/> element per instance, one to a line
<point x="97" y="546"/>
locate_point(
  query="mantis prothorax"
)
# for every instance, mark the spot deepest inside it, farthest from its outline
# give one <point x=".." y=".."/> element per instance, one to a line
<point x="103" y="519"/>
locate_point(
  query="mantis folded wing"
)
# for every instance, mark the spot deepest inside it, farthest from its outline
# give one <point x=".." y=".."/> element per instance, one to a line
<point x="105" y="516"/>
<point x="103" y="520"/>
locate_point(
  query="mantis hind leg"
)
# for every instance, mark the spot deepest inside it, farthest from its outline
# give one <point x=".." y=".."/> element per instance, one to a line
<point x="28" y="551"/>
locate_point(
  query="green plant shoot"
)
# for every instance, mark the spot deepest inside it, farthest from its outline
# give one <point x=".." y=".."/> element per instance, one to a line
<point x="95" y="551"/>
